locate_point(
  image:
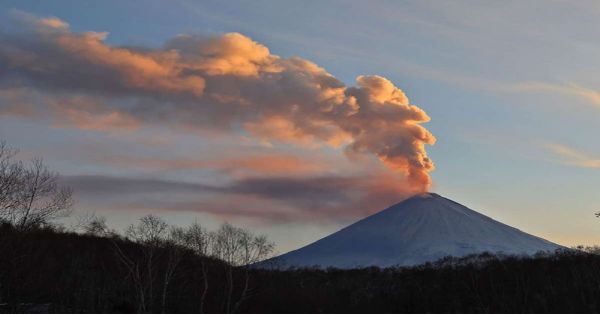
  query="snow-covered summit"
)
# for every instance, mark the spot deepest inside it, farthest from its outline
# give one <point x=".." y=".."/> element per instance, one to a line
<point x="423" y="228"/>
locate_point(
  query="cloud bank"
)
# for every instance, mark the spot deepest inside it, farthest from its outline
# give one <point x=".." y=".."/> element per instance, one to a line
<point x="226" y="84"/>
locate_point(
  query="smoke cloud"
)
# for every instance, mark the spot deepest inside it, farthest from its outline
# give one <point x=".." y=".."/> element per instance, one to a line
<point x="226" y="83"/>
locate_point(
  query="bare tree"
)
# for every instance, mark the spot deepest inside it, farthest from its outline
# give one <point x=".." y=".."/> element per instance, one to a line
<point x="92" y="224"/>
<point x="150" y="233"/>
<point x="239" y="248"/>
<point x="42" y="199"/>
<point x="150" y="230"/>
<point x="200" y="241"/>
<point x="30" y="195"/>
<point x="174" y="245"/>
<point x="11" y="172"/>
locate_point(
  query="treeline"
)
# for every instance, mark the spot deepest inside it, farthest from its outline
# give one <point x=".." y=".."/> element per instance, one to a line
<point x="88" y="273"/>
<point x="154" y="268"/>
<point x="565" y="282"/>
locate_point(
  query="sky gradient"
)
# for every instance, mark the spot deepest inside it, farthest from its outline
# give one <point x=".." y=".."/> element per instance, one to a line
<point x="510" y="89"/>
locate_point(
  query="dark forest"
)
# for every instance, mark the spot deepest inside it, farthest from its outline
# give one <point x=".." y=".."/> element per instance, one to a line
<point x="64" y="272"/>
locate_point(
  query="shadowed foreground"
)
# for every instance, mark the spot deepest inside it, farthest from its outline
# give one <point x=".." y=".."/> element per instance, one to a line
<point x="72" y="273"/>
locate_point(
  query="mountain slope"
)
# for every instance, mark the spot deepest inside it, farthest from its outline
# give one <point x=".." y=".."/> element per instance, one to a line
<point x="423" y="228"/>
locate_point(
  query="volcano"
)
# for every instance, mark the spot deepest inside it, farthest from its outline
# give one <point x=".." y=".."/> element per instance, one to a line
<point x="423" y="228"/>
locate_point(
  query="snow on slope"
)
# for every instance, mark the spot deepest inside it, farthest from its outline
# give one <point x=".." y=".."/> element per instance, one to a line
<point x="423" y="228"/>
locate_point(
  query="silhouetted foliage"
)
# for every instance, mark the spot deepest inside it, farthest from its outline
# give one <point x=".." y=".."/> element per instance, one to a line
<point x="83" y="273"/>
<point x="565" y="282"/>
<point x="92" y="274"/>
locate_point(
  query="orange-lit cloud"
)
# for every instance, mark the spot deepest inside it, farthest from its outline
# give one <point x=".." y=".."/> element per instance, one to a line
<point x="81" y="112"/>
<point x="88" y="115"/>
<point x="224" y="83"/>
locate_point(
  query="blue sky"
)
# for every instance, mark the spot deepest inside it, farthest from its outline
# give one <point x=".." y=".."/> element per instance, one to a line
<point x="510" y="88"/>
